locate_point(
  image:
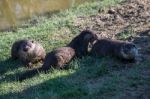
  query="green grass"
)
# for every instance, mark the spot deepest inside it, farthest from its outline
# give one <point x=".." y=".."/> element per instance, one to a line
<point x="86" y="78"/>
<point x="125" y="34"/>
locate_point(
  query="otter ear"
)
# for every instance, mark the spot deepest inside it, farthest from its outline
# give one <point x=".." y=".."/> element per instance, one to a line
<point x="87" y="37"/>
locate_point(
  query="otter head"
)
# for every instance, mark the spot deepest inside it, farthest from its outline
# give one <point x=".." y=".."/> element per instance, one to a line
<point x="27" y="46"/>
<point x="88" y="38"/>
<point x="129" y="51"/>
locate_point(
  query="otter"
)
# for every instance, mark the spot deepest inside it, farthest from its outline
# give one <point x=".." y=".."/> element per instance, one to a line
<point x="82" y="41"/>
<point x="120" y="49"/>
<point x="57" y="58"/>
<point x="28" y="51"/>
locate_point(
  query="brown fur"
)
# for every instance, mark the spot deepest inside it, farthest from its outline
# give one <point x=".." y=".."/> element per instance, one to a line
<point x="59" y="57"/>
<point x="82" y="41"/>
<point x="78" y="47"/>
<point x="28" y="51"/>
<point x="117" y="48"/>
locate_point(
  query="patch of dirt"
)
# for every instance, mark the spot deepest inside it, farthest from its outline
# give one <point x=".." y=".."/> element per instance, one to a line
<point x="132" y="16"/>
<point x="133" y="13"/>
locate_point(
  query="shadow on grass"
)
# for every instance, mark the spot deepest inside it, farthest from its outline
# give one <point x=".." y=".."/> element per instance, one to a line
<point x="60" y="87"/>
<point x="8" y="69"/>
<point x="9" y="64"/>
<point x="74" y="84"/>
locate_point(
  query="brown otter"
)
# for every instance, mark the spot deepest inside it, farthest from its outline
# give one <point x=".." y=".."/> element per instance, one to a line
<point x="78" y="47"/>
<point x="82" y="41"/>
<point x="121" y="49"/>
<point x="28" y="51"/>
<point x="58" y="57"/>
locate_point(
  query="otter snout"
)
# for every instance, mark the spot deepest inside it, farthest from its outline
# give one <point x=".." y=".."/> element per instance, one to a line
<point x="130" y="51"/>
<point x="26" y="48"/>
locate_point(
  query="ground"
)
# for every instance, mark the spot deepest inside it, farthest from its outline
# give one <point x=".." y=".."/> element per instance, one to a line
<point x="89" y="77"/>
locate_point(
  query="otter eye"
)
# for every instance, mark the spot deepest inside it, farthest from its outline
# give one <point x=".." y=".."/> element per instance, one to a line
<point x="32" y="41"/>
<point x="134" y="45"/>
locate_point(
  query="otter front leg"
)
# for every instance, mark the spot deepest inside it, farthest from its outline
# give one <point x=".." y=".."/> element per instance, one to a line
<point x="42" y="59"/>
<point x="28" y="64"/>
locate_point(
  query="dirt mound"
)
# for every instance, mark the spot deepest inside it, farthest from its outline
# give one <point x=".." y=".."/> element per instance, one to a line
<point x="133" y="13"/>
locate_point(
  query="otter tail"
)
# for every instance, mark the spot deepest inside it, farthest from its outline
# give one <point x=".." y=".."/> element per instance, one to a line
<point x="30" y="73"/>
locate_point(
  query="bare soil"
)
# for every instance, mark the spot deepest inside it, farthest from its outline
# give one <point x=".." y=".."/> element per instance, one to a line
<point x="133" y="14"/>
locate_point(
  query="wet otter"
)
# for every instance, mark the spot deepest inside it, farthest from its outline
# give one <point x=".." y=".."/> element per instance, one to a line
<point x="121" y="49"/>
<point x="78" y="47"/>
<point x="28" y="51"/>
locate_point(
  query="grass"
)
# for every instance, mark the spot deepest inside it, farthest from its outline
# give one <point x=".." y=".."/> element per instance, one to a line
<point x="86" y="78"/>
<point x="127" y="33"/>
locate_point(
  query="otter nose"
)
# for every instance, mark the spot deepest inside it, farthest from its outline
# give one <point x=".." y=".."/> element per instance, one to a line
<point x="26" y="49"/>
